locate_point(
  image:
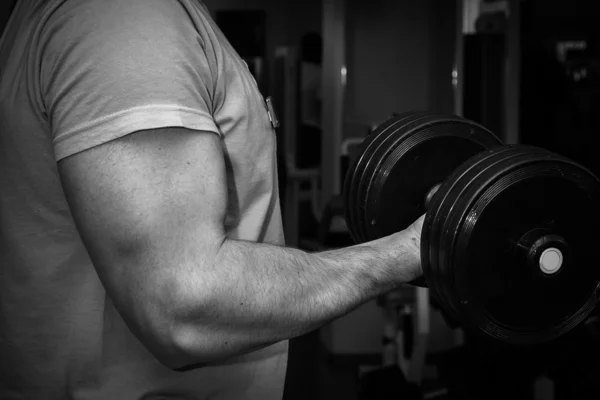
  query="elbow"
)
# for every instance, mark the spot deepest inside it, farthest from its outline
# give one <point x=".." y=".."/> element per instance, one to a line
<point x="171" y="307"/>
<point x="180" y="331"/>
<point x="159" y="333"/>
<point x="187" y="347"/>
<point x="177" y="347"/>
<point x="176" y="357"/>
<point x="174" y="314"/>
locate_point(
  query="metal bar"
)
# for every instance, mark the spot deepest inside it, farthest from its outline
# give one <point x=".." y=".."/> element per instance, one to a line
<point x="334" y="75"/>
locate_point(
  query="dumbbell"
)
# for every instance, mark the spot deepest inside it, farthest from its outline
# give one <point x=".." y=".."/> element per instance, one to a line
<point x="510" y="235"/>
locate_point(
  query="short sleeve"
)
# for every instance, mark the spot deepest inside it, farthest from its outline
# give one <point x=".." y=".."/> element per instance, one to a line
<point x="109" y="68"/>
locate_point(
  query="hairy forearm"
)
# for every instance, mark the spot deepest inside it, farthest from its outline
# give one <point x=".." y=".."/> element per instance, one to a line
<point x="254" y="294"/>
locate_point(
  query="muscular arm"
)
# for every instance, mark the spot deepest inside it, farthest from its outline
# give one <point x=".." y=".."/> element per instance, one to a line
<point x="150" y="208"/>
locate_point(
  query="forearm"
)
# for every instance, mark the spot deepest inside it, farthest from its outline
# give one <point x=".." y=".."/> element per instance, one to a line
<point x="260" y="294"/>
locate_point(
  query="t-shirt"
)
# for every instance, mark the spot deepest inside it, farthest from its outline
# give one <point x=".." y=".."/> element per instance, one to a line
<point x="75" y="74"/>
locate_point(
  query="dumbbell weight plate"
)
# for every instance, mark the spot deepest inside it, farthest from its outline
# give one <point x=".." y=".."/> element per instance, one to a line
<point x="376" y="144"/>
<point x="356" y="170"/>
<point x="379" y="157"/>
<point x="386" y="188"/>
<point x="513" y="259"/>
<point x="417" y="156"/>
<point x="433" y="227"/>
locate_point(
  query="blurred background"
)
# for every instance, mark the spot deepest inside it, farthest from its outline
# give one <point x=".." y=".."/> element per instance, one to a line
<point x="526" y="69"/>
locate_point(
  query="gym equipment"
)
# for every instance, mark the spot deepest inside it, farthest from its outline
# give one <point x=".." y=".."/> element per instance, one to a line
<point x="400" y="160"/>
<point x="504" y="246"/>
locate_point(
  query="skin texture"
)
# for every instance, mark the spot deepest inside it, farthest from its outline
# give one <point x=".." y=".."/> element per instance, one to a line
<point x="150" y="208"/>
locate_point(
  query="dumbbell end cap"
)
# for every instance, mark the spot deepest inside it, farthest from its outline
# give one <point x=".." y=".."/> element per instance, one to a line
<point x="551" y="260"/>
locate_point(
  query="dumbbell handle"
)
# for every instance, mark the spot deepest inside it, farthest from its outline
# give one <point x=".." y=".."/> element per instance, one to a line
<point x="420" y="281"/>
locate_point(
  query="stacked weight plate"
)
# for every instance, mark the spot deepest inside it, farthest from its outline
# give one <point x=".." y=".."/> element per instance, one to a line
<point x="502" y="248"/>
<point x="402" y="159"/>
<point x="506" y="240"/>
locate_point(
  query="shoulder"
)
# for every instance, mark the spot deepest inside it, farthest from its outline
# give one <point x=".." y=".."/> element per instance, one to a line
<point x="129" y="20"/>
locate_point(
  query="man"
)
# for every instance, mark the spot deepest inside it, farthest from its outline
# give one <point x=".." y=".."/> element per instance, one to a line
<point x="141" y="243"/>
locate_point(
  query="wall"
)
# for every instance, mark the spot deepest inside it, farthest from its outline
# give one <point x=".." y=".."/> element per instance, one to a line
<point x="399" y="56"/>
<point x="286" y="21"/>
<point x="388" y="57"/>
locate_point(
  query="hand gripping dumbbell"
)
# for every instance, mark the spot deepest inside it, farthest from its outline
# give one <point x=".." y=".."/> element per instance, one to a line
<point x="511" y="232"/>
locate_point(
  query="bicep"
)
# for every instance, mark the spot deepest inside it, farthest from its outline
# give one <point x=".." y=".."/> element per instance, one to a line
<point x="138" y="199"/>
